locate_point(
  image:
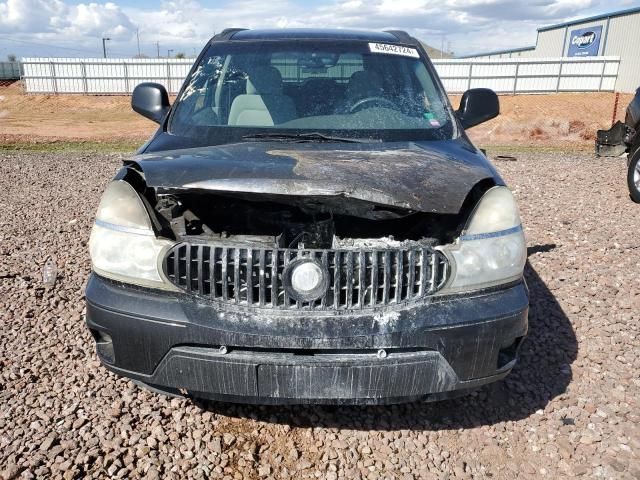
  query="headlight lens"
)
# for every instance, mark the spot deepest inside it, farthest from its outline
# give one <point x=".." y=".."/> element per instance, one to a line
<point x="122" y="206"/>
<point x="492" y="249"/>
<point x="123" y="245"/>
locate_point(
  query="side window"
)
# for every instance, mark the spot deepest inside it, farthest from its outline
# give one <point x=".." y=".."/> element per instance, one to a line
<point x="233" y="84"/>
<point x="433" y="104"/>
<point x="197" y="102"/>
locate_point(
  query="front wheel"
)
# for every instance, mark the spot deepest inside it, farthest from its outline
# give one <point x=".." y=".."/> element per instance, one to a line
<point x="633" y="177"/>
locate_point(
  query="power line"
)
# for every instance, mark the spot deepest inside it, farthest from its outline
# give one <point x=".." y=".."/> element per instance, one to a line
<point x="45" y="45"/>
<point x="57" y="46"/>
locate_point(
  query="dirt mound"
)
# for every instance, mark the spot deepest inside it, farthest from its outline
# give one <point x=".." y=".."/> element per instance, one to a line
<point x="564" y="119"/>
<point x="104" y="117"/>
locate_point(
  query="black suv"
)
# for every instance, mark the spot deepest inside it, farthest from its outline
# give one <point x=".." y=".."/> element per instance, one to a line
<point x="309" y="224"/>
<point x="624" y="137"/>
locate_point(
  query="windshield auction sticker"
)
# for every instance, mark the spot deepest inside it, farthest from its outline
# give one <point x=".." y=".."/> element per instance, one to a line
<point x="393" y="50"/>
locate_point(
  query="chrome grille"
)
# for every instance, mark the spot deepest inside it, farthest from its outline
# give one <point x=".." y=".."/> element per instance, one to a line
<point x="358" y="279"/>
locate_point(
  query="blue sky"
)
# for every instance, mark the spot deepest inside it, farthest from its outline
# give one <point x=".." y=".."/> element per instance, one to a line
<point x="76" y="27"/>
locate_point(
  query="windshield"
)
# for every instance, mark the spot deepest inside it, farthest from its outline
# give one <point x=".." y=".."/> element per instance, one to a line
<point x="347" y="89"/>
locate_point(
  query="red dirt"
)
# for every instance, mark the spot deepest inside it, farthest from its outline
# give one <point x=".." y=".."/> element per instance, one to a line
<point x="564" y="119"/>
<point x="69" y="117"/>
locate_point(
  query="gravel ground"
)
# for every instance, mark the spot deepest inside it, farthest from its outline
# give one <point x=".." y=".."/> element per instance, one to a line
<point x="571" y="406"/>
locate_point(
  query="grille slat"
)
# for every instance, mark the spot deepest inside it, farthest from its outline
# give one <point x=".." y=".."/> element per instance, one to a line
<point x="399" y="274"/>
<point x="349" y="282"/>
<point x="274" y="278"/>
<point x="324" y="259"/>
<point x="287" y="299"/>
<point x="387" y="277"/>
<point x="187" y="270"/>
<point x="262" y="290"/>
<point x="224" y="276"/>
<point x="424" y="273"/>
<point x="212" y="267"/>
<point x="362" y="278"/>
<point x="442" y="276"/>
<point x="358" y="279"/>
<point x="435" y="267"/>
<point x="200" y="271"/>
<point x="250" y="276"/>
<point x="337" y="274"/>
<point x="411" y="278"/>
<point x="236" y="274"/>
<point x="299" y="254"/>
<point x="374" y="279"/>
<point x="176" y="266"/>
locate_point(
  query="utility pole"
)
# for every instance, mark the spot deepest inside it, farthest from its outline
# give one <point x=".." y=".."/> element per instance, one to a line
<point x="104" y="46"/>
<point x="158" y="48"/>
<point x="138" y="39"/>
<point x="169" y="52"/>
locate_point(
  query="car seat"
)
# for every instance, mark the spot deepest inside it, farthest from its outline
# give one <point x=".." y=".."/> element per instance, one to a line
<point x="317" y="96"/>
<point x="363" y="84"/>
<point x="264" y="104"/>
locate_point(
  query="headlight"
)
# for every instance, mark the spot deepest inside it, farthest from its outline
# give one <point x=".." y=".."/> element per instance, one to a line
<point x="123" y="245"/>
<point x="492" y="248"/>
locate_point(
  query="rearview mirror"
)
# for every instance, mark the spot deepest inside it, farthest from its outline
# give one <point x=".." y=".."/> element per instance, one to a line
<point x="477" y="106"/>
<point x="150" y="100"/>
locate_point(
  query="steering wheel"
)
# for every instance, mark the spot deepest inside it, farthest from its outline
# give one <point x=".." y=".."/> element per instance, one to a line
<point x="379" y="100"/>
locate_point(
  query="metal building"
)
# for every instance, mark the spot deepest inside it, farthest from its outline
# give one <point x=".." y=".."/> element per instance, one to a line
<point x="9" y="70"/>
<point x="612" y="34"/>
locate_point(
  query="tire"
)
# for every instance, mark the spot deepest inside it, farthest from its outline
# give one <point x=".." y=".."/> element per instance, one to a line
<point x="633" y="176"/>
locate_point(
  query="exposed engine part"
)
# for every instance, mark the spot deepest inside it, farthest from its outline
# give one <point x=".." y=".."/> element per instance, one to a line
<point x="379" y="243"/>
<point x="312" y="224"/>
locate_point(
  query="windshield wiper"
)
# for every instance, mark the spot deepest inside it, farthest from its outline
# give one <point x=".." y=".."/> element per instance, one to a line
<point x="305" y="137"/>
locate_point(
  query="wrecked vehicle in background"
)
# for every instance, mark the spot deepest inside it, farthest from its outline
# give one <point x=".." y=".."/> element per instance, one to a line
<point x="309" y="224"/>
<point x="623" y="138"/>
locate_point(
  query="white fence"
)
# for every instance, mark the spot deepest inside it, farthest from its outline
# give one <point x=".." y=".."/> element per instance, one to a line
<point x="531" y="75"/>
<point x="101" y="76"/>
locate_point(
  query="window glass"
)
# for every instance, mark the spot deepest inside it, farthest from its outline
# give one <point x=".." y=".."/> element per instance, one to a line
<point x="345" y="87"/>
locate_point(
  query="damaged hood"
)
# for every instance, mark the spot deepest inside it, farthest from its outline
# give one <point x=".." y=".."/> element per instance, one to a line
<point x="433" y="176"/>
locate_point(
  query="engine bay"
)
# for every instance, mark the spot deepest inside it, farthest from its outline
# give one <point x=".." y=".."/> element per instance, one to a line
<point x="299" y="222"/>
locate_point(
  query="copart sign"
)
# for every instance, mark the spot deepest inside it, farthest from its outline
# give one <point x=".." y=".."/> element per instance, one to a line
<point x="585" y="42"/>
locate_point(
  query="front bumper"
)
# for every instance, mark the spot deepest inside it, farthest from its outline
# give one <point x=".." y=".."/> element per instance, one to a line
<point x="421" y="351"/>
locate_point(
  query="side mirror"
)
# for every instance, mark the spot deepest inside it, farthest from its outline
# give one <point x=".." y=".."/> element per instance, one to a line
<point x="150" y="100"/>
<point x="477" y="106"/>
